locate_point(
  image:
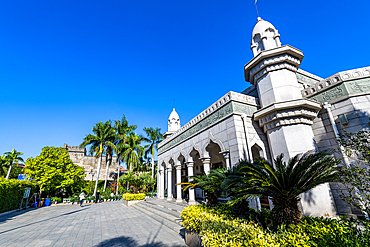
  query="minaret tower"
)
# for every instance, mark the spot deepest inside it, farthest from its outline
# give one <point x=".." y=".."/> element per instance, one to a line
<point x="173" y="123"/>
<point x="285" y="116"/>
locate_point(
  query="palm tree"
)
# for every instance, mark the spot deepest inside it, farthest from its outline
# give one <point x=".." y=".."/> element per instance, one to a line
<point x="211" y="184"/>
<point x="154" y="137"/>
<point x="99" y="141"/>
<point x="3" y="164"/>
<point x="109" y="151"/>
<point x="133" y="150"/>
<point x="122" y="130"/>
<point x="12" y="157"/>
<point x="284" y="182"/>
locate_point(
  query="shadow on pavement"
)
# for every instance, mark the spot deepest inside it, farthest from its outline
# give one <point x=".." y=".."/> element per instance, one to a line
<point x="130" y="242"/>
<point x="9" y="216"/>
<point x="12" y="215"/>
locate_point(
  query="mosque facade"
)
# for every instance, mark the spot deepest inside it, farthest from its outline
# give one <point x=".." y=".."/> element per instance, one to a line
<point x="285" y="110"/>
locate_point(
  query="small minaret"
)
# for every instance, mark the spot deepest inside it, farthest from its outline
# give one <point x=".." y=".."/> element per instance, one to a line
<point x="285" y="116"/>
<point x="173" y="123"/>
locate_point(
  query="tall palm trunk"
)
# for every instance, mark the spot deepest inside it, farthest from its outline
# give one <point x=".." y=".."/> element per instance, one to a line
<point x="97" y="174"/>
<point x="106" y="172"/>
<point x="119" y="170"/>
<point x="153" y="162"/>
<point x="10" y="168"/>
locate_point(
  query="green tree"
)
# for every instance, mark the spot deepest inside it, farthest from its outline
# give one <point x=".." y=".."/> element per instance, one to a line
<point x="211" y="184"/>
<point x="147" y="182"/>
<point x="132" y="179"/>
<point x="3" y="165"/>
<point x="133" y="150"/>
<point x="123" y="129"/>
<point x="99" y="141"/>
<point x="284" y="182"/>
<point x="53" y="169"/>
<point x="12" y="157"/>
<point x="154" y="137"/>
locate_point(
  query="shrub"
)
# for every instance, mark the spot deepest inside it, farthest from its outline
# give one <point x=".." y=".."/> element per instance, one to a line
<point x="11" y="193"/>
<point x="133" y="197"/>
<point x="218" y="227"/>
<point x="331" y="232"/>
<point x="56" y="199"/>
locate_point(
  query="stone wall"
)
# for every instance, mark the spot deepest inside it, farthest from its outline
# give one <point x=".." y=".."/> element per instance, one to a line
<point x="357" y="111"/>
<point x="90" y="163"/>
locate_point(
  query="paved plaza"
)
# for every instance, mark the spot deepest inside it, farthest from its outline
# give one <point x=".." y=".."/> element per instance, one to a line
<point x="105" y="224"/>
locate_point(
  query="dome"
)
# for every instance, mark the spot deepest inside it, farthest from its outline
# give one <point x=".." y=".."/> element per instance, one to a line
<point x="174" y="121"/>
<point x="264" y="37"/>
<point x="261" y="27"/>
<point x="174" y="115"/>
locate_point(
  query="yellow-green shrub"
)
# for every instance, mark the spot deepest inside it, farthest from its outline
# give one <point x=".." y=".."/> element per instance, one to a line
<point x="217" y="227"/>
<point x="11" y="193"/>
<point x="133" y="197"/>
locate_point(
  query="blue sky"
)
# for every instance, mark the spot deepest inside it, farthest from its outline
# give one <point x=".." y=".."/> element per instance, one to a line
<point x="65" y="65"/>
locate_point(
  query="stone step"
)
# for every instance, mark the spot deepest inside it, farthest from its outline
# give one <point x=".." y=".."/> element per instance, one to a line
<point x="164" y="209"/>
<point x="164" y="218"/>
<point x="168" y="204"/>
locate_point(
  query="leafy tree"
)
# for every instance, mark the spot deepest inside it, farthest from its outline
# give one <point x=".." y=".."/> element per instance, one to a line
<point x="133" y="150"/>
<point x="123" y="129"/>
<point x="356" y="176"/>
<point x="211" y="184"/>
<point x="101" y="139"/>
<point x="53" y="169"/>
<point x="237" y="185"/>
<point x="3" y="165"/>
<point x="12" y="157"/>
<point x="132" y="179"/>
<point x="284" y="182"/>
<point x="154" y="137"/>
<point x="147" y="182"/>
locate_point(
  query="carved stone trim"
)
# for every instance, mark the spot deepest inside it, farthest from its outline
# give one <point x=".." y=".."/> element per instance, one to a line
<point x="287" y="113"/>
<point x="285" y="57"/>
<point x="334" y="80"/>
<point x="287" y="121"/>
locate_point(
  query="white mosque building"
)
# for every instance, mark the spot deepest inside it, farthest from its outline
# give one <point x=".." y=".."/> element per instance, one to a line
<point x="286" y="110"/>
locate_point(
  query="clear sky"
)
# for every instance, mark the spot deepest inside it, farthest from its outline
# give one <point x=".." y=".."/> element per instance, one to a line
<point x="65" y="65"/>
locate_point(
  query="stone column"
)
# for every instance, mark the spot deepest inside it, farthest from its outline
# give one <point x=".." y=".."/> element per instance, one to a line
<point x="169" y="183"/>
<point x="226" y="155"/>
<point x="206" y="165"/>
<point x="178" y="180"/>
<point x="190" y="166"/>
<point x="161" y="184"/>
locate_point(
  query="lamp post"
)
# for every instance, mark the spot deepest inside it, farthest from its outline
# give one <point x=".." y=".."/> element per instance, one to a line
<point x="92" y="178"/>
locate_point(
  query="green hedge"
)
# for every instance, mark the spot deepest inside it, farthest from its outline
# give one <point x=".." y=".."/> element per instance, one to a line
<point x="217" y="227"/>
<point x="133" y="197"/>
<point x="11" y="193"/>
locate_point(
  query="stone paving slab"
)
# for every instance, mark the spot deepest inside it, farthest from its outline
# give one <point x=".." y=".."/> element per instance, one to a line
<point x="104" y="224"/>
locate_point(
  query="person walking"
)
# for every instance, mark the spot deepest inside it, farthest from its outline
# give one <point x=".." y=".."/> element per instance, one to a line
<point x="82" y="198"/>
<point x="97" y="196"/>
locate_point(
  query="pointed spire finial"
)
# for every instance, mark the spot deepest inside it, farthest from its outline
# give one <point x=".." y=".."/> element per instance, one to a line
<point x="255" y="3"/>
